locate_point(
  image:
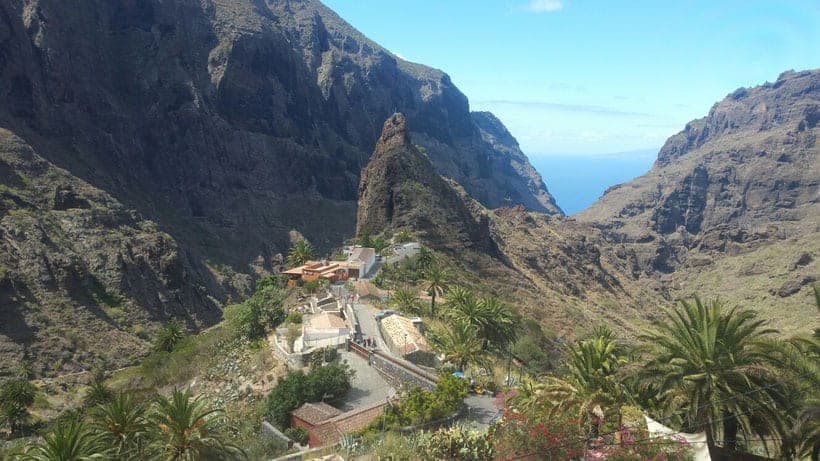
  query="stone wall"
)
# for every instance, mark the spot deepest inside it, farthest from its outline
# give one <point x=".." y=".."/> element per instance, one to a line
<point x="399" y="375"/>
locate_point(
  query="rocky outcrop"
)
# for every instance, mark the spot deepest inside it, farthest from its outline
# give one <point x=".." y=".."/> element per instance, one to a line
<point x="84" y="280"/>
<point x="547" y="265"/>
<point x="735" y="190"/>
<point x="400" y="189"/>
<point x="752" y="163"/>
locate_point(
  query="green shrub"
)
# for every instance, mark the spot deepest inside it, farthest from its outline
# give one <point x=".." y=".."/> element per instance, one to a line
<point x="297" y="434"/>
<point x="294" y="317"/>
<point x="15" y="398"/>
<point x="261" y="312"/>
<point x="421" y="406"/>
<point x="329" y="383"/>
<point x="169" y="336"/>
<point x="456" y="443"/>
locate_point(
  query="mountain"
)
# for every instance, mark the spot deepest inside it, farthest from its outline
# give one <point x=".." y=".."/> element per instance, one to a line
<point x="401" y="189"/>
<point x="158" y="155"/>
<point x="555" y="270"/>
<point x="731" y="206"/>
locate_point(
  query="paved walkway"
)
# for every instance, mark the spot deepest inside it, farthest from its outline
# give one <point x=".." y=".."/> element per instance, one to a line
<point x="368" y="386"/>
<point x="481" y="410"/>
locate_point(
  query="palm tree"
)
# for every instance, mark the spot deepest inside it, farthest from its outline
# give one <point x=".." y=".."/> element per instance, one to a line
<point x="69" y="441"/>
<point x="460" y="344"/>
<point x="493" y="319"/>
<point x="500" y="329"/>
<point x="801" y="359"/>
<point x="529" y="395"/>
<point x="121" y="424"/>
<point x="463" y="306"/>
<point x="98" y="393"/>
<point x="300" y="253"/>
<point x="169" y="336"/>
<point x="406" y="300"/>
<point x="436" y="282"/>
<point x="185" y="429"/>
<point x="425" y="258"/>
<point x="711" y="367"/>
<point x="591" y="378"/>
<point x="15" y="398"/>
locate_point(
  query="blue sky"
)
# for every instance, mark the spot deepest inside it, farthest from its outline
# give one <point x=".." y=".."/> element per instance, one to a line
<point x="595" y="77"/>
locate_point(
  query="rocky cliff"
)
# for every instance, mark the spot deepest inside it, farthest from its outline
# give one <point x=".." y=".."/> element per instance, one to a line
<point x="400" y="189"/>
<point x="731" y="205"/>
<point x="204" y="133"/>
<point x="555" y="270"/>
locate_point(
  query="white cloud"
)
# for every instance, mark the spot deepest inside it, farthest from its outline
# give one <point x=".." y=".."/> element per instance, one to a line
<point x="544" y="6"/>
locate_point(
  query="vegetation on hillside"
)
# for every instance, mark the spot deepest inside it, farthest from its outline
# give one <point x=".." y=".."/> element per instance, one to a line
<point x="323" y="383"/>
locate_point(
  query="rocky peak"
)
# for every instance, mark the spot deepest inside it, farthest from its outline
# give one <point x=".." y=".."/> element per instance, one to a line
<point x="400" y="189"/>
<point x="394" y="134"/>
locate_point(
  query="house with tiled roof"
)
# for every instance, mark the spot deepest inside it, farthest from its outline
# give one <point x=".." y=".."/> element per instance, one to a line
<point x="327" y="425"/>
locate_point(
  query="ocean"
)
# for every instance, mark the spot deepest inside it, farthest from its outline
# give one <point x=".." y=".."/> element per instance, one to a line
<point x="576" y="181"/>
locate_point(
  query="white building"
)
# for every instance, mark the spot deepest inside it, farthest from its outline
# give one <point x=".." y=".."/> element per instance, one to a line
<point x="362" y="257"/>
<point x="322" y="330"/>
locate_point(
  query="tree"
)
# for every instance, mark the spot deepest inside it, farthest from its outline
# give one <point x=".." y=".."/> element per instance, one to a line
<point x="122" y="426"/>
<point x="169" y="336"/>
<point x="300" y="253"/>
<point x="590" y="382"/>
<point x="15" y="398"/>
<point x="323" y="382"/>
<point x="711" y="367"/>
<point x="494" y="321"/>
<point x="406" y="300"/>
<point x="262" y="311"/>
<point x="402" y="236"/>
<point x="380" y="244"/>
<point x="286" y="396"/>
<point x="184" y="428"/>
<point x="800" y="357"/>
<point x="591" y="378"/>
<point x="501" y="324"/>
<point x="69" y="441"/>
<point x="460" y="344"/>
<point x="425" y="258"/>
<point x="97" y="393"/>
<point x="436" y="282"/>
<point x="463" y="306"/>
<point x="330" y="382"/>
<point x="364" y="240"/>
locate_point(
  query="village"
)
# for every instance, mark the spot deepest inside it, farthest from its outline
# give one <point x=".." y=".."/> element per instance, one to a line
<point x="386" y="349"/>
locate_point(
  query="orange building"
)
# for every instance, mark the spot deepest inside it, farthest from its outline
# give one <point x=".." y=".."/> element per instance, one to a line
<point x="335" y="271"/>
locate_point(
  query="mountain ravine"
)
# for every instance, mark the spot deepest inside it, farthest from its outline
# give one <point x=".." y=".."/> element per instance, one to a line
<point x="159" y="154"/>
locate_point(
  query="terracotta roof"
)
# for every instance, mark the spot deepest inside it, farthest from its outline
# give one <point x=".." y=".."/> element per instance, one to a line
<point x="316" y="413"/>
<point x="311" y="265"/>
<point x="398" y="327"/>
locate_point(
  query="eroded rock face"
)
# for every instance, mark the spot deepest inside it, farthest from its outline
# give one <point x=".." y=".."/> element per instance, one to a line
<point x="731" y="198"/>
<point x="400" y="189"/>
<point x="751" y="163"/>
<point x="227" y="124"/>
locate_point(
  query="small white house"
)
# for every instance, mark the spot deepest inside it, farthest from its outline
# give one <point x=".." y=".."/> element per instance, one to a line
<point x="322" y="330"/>
<point x="363" y="257"/>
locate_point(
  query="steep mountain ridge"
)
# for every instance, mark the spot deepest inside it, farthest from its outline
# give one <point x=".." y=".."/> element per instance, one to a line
<point x="731" y="205"/>
<point x="226" y="123"/>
